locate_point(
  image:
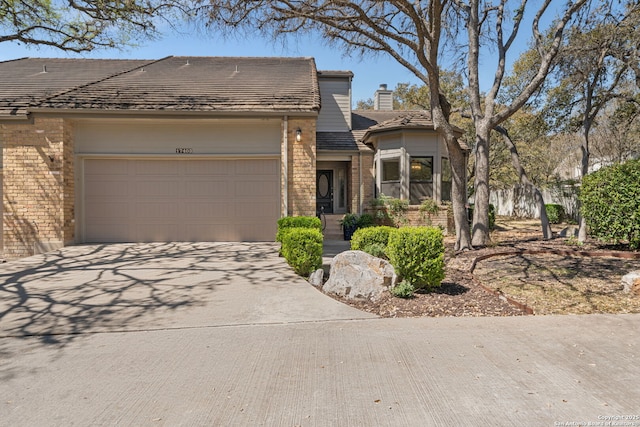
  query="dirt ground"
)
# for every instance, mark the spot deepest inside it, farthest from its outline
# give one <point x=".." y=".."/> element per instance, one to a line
<point x="530" y="276"/>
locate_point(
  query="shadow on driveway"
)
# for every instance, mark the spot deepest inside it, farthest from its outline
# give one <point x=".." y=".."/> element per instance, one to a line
<point x="100" y="288"/>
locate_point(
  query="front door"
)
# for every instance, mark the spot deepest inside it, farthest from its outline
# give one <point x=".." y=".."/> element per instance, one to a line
<point x="324" y="191"/>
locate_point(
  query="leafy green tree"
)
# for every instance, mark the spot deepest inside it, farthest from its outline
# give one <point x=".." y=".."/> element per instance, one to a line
<point x="81" y="25"/>
<point x="590" y="75"/>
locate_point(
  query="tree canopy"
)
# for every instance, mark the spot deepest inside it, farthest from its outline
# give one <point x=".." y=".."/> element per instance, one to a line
<point x="82" y="25"/>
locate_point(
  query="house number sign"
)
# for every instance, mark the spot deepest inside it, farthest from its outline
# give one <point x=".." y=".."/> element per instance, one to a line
<point x="184" y="150"/>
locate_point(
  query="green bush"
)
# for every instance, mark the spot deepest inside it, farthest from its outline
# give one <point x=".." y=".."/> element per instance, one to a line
<point x="365" y="220"/>
<point x="302" y="248"/>
<point x="417" y="254"/>
<point x="555" y="213"/>
<point x="390" y="211"/>
<point x="289" y="222"/>
<point x="403" y="289"/>
<point x="610" y="203"/>
<point x="372" y="240"/>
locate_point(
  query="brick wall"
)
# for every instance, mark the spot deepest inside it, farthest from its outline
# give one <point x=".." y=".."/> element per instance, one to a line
<point x="302" y="167"/>
<point x="413" y="217"/>
<point x="38" y="190"/>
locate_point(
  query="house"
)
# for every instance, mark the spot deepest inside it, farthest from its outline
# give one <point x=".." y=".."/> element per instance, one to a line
<point x="196" y="149"/>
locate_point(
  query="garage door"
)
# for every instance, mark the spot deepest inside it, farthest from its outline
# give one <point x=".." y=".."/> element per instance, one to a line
<point x="180" y="200"/>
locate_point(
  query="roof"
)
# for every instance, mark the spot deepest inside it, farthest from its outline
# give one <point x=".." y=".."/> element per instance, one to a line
<point x="396" y="120"/>
<point x="176" y="83"/>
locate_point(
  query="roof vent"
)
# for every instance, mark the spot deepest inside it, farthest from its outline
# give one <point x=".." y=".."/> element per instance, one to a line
<point x="44" y="68"/>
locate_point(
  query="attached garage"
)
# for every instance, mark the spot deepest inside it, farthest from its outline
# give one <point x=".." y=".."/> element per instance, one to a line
<point x="134" y="187"/>
<point x="129" y="200"/>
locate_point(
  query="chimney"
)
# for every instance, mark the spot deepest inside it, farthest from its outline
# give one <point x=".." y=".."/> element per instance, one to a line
<point x="383" y="99"/>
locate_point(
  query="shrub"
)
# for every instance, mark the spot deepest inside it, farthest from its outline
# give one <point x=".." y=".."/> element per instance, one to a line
<point x="365" y="220"/>
<point x="289" y="222"/>
<point x="610" y="203"/>
<point x="302" y="248"/>
<point x="417" y="254"/>
<point x="555" y="213"/>
<point x="403" y="289"/>
<point x="390" y="211"/>
<point x="372" y="240"/>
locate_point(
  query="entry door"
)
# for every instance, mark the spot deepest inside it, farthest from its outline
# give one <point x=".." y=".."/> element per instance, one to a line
<point x="324" y="191"/>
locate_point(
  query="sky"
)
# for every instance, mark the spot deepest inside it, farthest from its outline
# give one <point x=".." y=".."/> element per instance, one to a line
<point x="369" y="73"/>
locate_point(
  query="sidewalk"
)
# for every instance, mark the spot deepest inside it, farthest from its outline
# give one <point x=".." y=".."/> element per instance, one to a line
<point x="518" y="371"/>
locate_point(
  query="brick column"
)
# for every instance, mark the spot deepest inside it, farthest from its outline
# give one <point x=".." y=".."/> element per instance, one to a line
<point x="302" y="167"/>
<point x="38" y="186"/>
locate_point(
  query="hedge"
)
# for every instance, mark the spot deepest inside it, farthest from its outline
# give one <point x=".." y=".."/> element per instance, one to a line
<point x="417" y="254"/>
<point x="610" y="203"/>
<point x="372" y="240"/>
<point x="555" y="213"/>
<point x="302" y="248"/>
<point x="288" y="222"/>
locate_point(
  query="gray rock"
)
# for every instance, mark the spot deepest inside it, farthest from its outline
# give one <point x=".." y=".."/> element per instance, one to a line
<point x="317" y="278"/>
<point x="631" y="283"/>
<point x="358" y="275"/>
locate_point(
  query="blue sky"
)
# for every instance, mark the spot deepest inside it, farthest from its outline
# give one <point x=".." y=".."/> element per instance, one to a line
<point x="369" y="73"/>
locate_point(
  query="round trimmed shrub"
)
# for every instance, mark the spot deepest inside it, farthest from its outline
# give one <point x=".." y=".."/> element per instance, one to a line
<point x="555" y="213"/>
<point x="610" y="203"/>
<point x="302" y="248"/>
<point x="372" y="240"/>
<point x="288" y="222"/>
<point x="417" y="254"/>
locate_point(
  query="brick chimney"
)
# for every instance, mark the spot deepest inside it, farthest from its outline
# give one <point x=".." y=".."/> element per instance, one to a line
<point x="383" y="99"/>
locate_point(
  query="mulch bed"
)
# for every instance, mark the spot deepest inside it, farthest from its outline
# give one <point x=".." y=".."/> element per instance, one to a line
<point x="498" y="280"/>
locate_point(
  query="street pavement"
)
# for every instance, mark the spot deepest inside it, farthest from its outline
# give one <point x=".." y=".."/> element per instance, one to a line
<point x="201" y="334"/>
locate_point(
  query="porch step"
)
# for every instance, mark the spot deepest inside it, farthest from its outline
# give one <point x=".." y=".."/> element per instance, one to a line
<point x="332" y="229"/>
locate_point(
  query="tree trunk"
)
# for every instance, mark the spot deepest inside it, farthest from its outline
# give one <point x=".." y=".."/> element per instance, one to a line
<point x="480" y="230"/>
<point x="458" y="162"/>
<point x="582" y="231"/>
<point x="524" y="180"/>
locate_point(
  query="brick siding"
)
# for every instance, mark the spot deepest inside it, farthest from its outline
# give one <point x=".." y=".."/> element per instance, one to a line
<point x="302" y="167"/>
<point x="38" y="186"/>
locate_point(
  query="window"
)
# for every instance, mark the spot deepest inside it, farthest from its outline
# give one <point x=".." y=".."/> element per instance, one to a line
<point x="391" y="170"/>
<point x="421" y="169"/>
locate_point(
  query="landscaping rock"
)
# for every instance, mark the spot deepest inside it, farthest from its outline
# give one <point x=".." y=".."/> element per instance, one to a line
<point x="358" y="275"/>
<point x="317" y="278"/>
<point x="631" y="283"/>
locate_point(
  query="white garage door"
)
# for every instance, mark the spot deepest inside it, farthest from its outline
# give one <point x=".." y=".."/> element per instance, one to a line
<point x="180" y="200"/>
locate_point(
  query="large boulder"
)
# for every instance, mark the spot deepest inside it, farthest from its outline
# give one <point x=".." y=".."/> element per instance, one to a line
<point x="358" y="275"/>
<point x="631" y="283"/>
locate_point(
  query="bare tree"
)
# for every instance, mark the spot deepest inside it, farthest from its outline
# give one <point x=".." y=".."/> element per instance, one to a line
<point x="81" y="25"/>
<point x="410" y="32"/>
<point x="487" y="112"/>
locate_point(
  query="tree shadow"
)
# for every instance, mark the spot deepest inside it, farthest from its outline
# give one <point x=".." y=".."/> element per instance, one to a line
<point x="57" y="296"/>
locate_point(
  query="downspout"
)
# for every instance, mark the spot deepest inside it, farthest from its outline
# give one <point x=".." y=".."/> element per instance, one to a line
<point x="285" y="168"/>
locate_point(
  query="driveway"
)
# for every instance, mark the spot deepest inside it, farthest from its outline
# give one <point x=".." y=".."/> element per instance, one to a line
<point x="124" y="287"/>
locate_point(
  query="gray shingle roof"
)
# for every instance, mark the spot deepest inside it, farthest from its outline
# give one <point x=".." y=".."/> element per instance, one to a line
<point x="28" y="81"/>
<point x="220" y="84"/>
<point x="342" y="141"/>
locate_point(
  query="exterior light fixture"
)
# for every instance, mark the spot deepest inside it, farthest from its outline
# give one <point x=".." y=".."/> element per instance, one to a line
<point x="298" y="135"/>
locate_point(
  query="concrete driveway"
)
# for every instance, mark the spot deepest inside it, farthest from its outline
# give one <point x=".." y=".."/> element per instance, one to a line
<point x="226" y="335"/>
<point x="124" y="287"/>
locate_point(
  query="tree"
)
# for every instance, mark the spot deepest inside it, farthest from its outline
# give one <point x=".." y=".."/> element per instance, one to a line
<point x="488" y="113"/>
<point x="408" y="31"/>
<point x="590" y="74"/>
<point x="81" y="25"/>
<point x="414" y="34"/>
